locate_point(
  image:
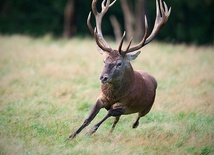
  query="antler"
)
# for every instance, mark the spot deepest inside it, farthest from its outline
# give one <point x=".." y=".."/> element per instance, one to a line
<point x="97" y="32"/>
<point x="162" y="16"/>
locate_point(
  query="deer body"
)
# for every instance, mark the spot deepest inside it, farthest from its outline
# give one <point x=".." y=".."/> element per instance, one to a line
<point x="135" y="95"/>
<point x="123" y="90"/>
<point x="139" y="97"/>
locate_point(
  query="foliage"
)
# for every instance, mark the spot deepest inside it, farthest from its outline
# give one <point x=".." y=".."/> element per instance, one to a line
<point x="48" y="87"/>
<point x="190" y="21"/>
<point x="35" y="17"/>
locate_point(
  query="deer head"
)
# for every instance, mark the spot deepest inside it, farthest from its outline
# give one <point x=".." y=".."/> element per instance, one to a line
<point x="118" y="61"/>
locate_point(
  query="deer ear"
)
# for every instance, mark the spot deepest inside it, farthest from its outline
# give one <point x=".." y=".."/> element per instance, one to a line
<point x="132" y="56"/>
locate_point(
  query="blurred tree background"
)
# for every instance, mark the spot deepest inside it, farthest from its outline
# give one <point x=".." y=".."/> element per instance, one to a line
<point x="189" y="22"/>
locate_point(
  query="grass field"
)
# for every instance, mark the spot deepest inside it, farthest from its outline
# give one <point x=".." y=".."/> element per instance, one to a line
<point x="47" y="88"/>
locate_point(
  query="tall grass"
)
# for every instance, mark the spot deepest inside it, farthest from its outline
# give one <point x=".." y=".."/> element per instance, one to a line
<point x="47" y="88"/>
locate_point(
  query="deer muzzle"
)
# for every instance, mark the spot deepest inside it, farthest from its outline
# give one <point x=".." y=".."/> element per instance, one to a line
<point x="104" y="78"/>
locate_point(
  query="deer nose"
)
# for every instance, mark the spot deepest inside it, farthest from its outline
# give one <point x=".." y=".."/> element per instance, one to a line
<point x="104" y="78"/>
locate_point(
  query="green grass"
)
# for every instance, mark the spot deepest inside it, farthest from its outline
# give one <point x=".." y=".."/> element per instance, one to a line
<point x="47" y="88"/>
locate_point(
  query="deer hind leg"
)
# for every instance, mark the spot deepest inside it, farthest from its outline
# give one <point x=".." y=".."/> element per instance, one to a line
<point x="136" y="123"/>
<point x="112" y="112"/>
<point x="116" y="119"/>
<point x="141" y="114"/>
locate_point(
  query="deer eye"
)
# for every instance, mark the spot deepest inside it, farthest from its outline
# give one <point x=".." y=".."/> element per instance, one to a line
<point x="119" y="64"/>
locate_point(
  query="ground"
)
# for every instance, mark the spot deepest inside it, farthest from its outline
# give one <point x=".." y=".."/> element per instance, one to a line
<point x="48" y="86"/>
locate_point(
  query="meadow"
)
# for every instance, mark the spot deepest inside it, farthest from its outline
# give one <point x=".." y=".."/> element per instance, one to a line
<point x="48" y="86"/>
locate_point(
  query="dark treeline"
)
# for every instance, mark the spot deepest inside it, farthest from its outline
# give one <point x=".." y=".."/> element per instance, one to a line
<point x="190" y="21"/>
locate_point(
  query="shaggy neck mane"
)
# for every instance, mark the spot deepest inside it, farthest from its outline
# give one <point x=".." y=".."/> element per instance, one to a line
<point x="118" y="89"/>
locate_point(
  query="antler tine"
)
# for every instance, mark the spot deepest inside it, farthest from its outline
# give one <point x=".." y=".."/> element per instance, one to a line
<point x="129" y="44"/>
<point x="161" y="9"/>
<point x="159" y="21"/>
<point x="141" y="44"/>
<point x="89" y="24"/>
<point x="97" y="38"/>
<point x="107" y="6"/>
<point x="98" y="17"/>
<point x="165" y="7"/>
<point x="162" y="16"/>
<point x="167" y="11"/>
<point x="94" y="7"/>
<point x="121" y="42"/>
<point x="112" y="3"/>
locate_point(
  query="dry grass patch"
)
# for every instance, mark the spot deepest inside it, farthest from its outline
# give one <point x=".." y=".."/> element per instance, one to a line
<point x="47" y="88"/>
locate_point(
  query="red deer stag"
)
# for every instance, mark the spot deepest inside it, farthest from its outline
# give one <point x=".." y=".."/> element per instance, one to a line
<point x="123" y="90"/>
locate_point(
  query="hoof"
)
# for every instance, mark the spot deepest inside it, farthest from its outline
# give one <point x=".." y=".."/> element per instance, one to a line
<point x="92" y="130"/>
<point x="135" y="125"/>
<point x="71" y="137"/>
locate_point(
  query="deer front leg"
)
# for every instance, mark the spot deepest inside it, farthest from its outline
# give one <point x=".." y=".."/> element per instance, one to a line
<point x="96" y="108"/>
<point x="112" y="112"/>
